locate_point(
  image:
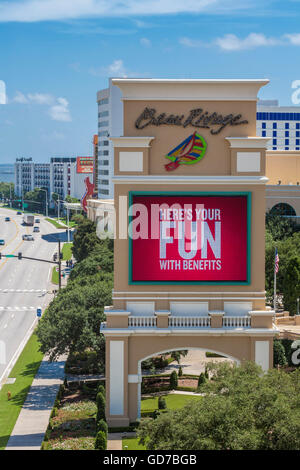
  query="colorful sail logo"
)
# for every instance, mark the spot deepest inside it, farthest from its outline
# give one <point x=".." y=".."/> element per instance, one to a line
<point x="188" y="152"/>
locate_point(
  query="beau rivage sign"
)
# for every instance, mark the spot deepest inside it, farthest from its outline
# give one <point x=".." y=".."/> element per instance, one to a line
<point x="196" y="118"/>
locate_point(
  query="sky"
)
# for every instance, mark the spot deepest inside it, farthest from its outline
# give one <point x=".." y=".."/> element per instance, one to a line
<point x="56" y="54"/>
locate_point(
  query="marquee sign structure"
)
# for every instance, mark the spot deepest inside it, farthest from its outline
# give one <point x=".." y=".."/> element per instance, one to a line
<point x="189" y="252"/>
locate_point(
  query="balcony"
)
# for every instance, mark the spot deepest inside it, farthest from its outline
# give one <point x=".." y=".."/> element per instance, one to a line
<point x="165" y="321"/>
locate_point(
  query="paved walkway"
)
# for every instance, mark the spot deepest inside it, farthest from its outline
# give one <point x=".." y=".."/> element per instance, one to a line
<point x="114" y="439"/>
<point x="33" y="420"/>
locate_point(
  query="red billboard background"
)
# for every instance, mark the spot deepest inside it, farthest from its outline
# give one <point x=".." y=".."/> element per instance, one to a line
<point x="85" y="164"/>
<point x="225" y="258"/>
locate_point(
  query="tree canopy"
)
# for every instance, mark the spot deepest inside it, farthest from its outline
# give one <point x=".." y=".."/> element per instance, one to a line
<point x="242" y="409"/>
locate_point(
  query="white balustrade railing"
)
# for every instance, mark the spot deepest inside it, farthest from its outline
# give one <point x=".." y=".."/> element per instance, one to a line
<point x="236" y="322"/>
<point x="142" y="322"/>
<point x="189" y="322"/>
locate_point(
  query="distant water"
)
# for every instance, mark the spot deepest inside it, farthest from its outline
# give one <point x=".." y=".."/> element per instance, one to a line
<point x="7" y="173"/>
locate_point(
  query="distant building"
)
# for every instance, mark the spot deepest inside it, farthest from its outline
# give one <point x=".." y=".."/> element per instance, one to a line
<point x="280" y="123"/>
<point x="63" y="175"/>
<point x="110" y="124"/>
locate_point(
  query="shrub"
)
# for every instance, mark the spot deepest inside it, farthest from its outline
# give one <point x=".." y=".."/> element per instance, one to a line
<point x="201" y="380"/>
<point x="173" y="380"/>
<point x="100" y="400"/>
<point x="101" y="389"/>
<point x="155" y="414"/>
<point x="162" y="404"/>
<point x="101" y="441"/>
<point x="102" y="426"/>
<point x="279" y="357"/>
<point x="180" y="372"/>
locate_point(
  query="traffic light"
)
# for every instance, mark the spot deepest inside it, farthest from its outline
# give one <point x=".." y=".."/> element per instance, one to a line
<point x="19" y="255"/>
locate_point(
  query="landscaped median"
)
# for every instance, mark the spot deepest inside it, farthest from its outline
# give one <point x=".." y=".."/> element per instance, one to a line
<point x="13" y="396"/>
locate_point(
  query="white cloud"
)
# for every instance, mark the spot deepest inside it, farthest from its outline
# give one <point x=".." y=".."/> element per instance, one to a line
<point x="115" y="69"/>
<point x="294" y="38"/>
<point x="2" y="92"/>
<point x="145" y="42"/>
<point x="40" y="98"/>
<point x="231" y="42"/>
<point x="20" y="98"/>
<point x="58" y="107"/>
<point x="60" y="111"/>
<point x="190" y="42"/>
<point x="49" y="10"/>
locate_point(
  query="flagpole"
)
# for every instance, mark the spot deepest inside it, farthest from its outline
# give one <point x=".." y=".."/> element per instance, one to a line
<point x="275" y="282"/>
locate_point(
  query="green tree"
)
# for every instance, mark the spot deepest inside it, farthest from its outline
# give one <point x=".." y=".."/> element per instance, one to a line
<point x="244" y="409"/>
<point x="279" y="227"/>
<point x="102" y="426"/>
<point x="201" y="380"/>
<point x="100" y="400"/>
<point x="100" y="441"/>
<point x="279" y="358"/>
<point x="162" y="404"/>
<point x="173" y="380"/>
<point x="291" y="285"/>
<point x="85" y="238"/>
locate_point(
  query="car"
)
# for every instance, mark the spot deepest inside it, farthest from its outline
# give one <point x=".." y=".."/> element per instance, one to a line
<point x="36" y="229"/>
<point x="2" y="242"/>
<point x="28" y="237"/>
<point x="19" y="213"/>
<point x="7" y="219"/>
<point x="37" y="221"/>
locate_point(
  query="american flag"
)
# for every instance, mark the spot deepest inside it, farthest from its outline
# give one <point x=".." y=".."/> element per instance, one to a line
<point x="276" y="261"/>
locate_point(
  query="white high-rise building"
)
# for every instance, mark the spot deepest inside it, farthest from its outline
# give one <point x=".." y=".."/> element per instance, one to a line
<point x="110" y="124"/>
<point x="280" y="123"/>
<point x="60" y="176"/>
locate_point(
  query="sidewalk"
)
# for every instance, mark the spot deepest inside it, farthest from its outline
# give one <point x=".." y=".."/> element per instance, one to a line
<point x="114" y="439"/>
<point x="33" y="420"/>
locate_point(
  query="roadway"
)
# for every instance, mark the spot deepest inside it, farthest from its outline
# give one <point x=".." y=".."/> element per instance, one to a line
<point x="24" y="284"/>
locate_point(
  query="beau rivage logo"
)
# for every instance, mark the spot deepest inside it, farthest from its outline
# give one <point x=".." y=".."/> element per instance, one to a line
<point x="196" y="118"/>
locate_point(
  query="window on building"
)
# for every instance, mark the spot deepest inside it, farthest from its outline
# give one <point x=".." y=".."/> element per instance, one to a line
<point x="103" y="172"/>
<point x="263" y="133"/>
<point x="283" y="209"/>
<point x="287" y="126"/>
<point x="274" y="141"/>
<point x="103" y="114"/>
<point x="103" y="101"/>
<point x="287" y="142"/>
<point x="103" y="124"/>
<point x="103" y="191"/>
<point x="274" y="133"/>
<point x="263" y="125"/>
<point x="287" y="133"/>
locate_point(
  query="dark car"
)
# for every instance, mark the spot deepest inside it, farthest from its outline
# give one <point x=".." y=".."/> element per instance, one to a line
<point x="2" y="242"/>
<point x="7" y="219"/>
<point x="19" y="213"/>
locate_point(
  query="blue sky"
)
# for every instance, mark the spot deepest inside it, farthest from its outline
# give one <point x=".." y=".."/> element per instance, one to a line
<point x="56" y="54"/>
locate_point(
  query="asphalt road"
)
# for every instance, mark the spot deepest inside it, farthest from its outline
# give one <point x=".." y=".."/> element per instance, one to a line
<point x="23" y="283"/>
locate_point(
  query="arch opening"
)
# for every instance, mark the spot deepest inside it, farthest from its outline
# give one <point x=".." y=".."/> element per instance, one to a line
<point x="188" y="348"/>
<point x="283" y="210"/>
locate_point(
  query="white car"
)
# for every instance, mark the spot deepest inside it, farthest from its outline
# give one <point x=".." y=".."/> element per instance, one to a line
<point x="28" y="237"/>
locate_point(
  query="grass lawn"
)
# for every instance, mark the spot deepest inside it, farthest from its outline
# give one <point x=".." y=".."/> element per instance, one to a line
<point x="56" y="224"/>
<point x="55" y="277"/>
<point x="24" y="371"/>
<point x="67" y="251"/>
<point x="132" y="444"/>
<point x="174" y="401"/>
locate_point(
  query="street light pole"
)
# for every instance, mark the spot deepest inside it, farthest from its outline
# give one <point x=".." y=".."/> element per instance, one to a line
<point x="10" y="195"/>
<point x="298" y="313"/>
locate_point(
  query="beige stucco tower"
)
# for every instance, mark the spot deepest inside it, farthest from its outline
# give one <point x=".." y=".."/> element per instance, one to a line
<point x="191" y="143"/>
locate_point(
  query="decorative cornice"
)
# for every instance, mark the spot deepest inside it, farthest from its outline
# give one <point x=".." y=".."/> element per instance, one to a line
<point x="189" y="89"/>
<point x="248" y="142"/>
<point x="159" y="179"/>
<point x="131" y="141"/>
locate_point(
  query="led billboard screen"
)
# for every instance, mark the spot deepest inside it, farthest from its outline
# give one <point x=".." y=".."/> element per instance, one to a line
<point x="85" y="164"/>
<point x="190" y="238"/>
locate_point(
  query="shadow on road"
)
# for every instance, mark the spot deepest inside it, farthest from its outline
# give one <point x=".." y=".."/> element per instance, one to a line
<point x="54" y="237"/>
